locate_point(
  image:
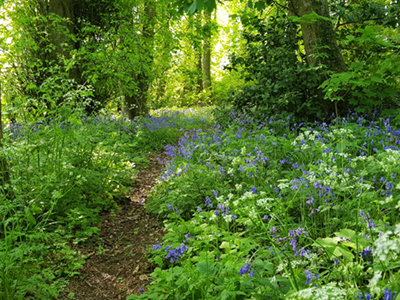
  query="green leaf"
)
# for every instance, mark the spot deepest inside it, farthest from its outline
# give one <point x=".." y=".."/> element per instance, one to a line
<point x="30" y="218"/>
<point x="260" y="5"/>
<point x="192" y="8"/>
<point x="346" y="253"/>
<point x="386" y="267"/>
<point x="346" y="233"/>
<point x="225" y="295"/>
<point x="207" y="269"/>
<point x="325" y="242"/>
<point x="199" y="5"/>
<point x="376" y="78"/>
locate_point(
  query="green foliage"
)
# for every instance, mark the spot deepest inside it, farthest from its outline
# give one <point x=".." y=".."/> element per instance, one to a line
<point x="223" y="88"/>
<point x="372" y="81"/>
<point x="280" y="211"/>
<point x="274" y="62"/>
<point x="63" y="171"/>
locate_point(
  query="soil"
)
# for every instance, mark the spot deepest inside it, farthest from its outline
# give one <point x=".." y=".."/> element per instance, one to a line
<point x="116" y="264"/>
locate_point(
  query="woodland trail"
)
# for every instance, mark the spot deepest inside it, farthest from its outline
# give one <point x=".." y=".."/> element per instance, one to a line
<point x="115" y="266"/>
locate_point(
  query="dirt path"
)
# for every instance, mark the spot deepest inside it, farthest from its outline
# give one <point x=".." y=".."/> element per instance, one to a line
<point x="116" y="267"/>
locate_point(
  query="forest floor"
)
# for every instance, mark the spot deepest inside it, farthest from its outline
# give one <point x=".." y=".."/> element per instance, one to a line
<point x="116" y="264"/>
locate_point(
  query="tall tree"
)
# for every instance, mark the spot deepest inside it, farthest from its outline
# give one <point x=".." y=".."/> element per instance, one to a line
<point x="320" y="42"/>
<point x="136" y="101"/>
<point x="4" y="174"/>
<point x="199" y="56"/>
<point x="61" y="13"/>
<point x="207" y="50"/>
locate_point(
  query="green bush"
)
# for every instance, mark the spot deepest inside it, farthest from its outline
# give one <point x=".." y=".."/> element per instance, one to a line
<point x="274" y="62"/>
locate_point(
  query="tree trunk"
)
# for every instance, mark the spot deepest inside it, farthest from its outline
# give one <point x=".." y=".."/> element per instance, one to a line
<point x="199" y="66"/>
<point x="207" y="52"/>
<point x="58" y="34"/>
<point x="136" y="104"/>
<point x="291" y="36"/>
<point x="320" y="42"/>
<point x="4" y="174"/>
<point x="199" y="56"/>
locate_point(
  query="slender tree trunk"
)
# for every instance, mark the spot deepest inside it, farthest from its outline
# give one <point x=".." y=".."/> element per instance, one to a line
<point x="199" y="66"/>
<point x="136" y="104"/>
<point x="199" y="56"/>
<point x="207" y="52"/>
<point x="5" y="176"/>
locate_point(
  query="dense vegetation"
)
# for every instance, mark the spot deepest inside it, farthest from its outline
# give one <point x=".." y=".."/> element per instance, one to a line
<point x="280" y="210"/>
<point x="279" y="118"/>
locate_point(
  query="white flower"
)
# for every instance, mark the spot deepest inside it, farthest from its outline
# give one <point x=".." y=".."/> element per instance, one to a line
<point x="228" y="218"/>
<point x="283" y="186"/>
<point x="387" y="246"/>
<point x="265" y="203"/>
<point x="373" y="283"/>
<point x="320" y="293"/>
<point x="213" y="217"/>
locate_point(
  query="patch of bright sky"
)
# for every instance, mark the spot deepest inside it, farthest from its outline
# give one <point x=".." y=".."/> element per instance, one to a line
<point x="4" y="21"/>
<point x="220" y="55"/>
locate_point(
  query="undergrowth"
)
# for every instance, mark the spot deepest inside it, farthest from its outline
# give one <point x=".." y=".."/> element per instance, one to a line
<point x="280" y="210"/>
<point x="62" y="172"/>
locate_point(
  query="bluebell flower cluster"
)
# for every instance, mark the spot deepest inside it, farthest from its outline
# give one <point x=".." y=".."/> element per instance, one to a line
<point x="246" y="270"/>
<point x="388" y="295"/>
<point x="367" y="252"/>
<point x="252" y="154"/>
<point x="367" y="218"/>
<point x="175" y="254"/>
<point x="157" y="246"/>
<point x="360" y="296"/>
<point x="311" y="276"/>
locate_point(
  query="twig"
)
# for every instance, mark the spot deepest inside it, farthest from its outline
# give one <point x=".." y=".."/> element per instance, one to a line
<point x="88" y="283"/>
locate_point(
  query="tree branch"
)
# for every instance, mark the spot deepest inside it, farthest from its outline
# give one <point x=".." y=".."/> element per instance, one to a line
<point x="285" y="7"/>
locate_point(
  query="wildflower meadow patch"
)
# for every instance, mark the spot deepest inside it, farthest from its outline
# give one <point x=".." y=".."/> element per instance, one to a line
<point x="280" y="210"/>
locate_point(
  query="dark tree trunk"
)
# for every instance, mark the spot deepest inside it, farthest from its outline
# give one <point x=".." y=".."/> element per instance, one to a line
<point x="4" y="174"/>
<point x="136" y="104"/>
<point x="198" y="46"/>
<point x="59" y="37"/>
<point x="320" y="41"/>
<point x="207" y="52"/>
<point x="199" y="66"/>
